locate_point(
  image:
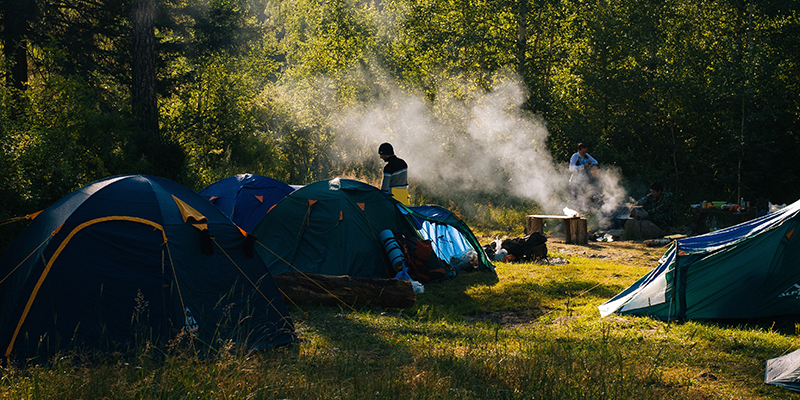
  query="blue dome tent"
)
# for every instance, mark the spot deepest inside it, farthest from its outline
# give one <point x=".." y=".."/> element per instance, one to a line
<point x="135" y="258"/>
<point x="448" y="233"/>
<point x="246" y="198"/>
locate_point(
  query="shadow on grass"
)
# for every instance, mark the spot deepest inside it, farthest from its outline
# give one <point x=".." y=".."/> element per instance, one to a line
<point x="419" y="352"/>
<point x="451" y="299"/>
<point x="397" y="356"/>
<point x="571" y="288"/>
<point x="446" y="300"/>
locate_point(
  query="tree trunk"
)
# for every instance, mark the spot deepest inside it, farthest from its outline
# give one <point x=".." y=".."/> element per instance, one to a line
<point x="335" y="290"/>
<point x="143" y="90"/>
<point x="522" y="36"/>
<point x="17" y="14"/>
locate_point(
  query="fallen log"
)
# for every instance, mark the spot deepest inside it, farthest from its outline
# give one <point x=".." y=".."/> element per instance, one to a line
<point x="333" y="290"/>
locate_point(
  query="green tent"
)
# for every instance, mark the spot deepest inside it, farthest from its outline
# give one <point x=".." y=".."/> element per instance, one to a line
<point x="747" y="271"/>
<point x="333" y="227"/>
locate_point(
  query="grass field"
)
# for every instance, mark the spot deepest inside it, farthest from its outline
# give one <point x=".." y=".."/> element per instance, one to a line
<point x="530" y="331"/>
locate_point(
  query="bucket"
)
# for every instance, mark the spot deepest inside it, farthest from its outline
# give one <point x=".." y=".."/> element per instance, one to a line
<point x="396" y="257"/>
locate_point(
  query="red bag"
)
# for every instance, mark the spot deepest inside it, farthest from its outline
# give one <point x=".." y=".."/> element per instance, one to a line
<point x="424" y="248"/>
<point x="417" y="253"/>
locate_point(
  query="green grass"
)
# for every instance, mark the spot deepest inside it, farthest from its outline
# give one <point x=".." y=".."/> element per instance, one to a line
<point x="529" y="332"/>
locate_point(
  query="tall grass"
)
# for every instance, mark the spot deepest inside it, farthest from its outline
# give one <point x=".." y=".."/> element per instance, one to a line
<point x="487" y="213"/>
<point x="529" y="332"/>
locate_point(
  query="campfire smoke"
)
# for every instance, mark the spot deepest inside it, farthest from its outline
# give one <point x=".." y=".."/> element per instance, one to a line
<point x="478" y="142"/>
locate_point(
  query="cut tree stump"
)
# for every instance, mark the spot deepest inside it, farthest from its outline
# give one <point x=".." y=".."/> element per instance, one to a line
<point x="575" y="231"/>
<point x="334" y="290"/>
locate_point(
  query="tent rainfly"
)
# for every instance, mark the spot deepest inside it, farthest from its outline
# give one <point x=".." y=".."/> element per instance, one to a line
<point x="133" y="259"/>
<point x="784" y="371"/>
<point x="747" y="271"/>
<point x="333" y="227"/>
<point x="246" y="198"/>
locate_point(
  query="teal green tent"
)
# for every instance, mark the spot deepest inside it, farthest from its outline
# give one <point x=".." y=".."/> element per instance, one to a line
<point x="333" y="227"/>
<point x="748" y="271"/>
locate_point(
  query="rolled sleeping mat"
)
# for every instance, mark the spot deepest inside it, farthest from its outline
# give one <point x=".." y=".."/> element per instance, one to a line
<point x="396" y="257"/>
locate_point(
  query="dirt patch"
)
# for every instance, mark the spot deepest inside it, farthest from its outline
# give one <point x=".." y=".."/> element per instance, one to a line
<point x="622" y="252"/>
<point x="625" y="252"/>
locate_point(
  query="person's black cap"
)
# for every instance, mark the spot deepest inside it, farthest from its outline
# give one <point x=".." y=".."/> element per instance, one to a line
<point x="386" y="149"/>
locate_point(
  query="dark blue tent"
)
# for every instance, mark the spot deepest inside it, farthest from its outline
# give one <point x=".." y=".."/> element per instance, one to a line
<point x="130" y="259"/>
<point x="246" y="198"/>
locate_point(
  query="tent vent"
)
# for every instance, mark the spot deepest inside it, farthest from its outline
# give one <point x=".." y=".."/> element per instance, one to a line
<point x="187" y="212"/>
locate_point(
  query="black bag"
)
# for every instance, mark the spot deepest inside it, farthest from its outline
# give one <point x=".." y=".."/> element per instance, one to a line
<point x="528" y="248"/>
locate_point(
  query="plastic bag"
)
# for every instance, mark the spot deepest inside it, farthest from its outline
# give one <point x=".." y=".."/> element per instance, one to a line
<point x="465" y="262"/>
<point x="403" y="274"/>
<point x="500" y="255"/>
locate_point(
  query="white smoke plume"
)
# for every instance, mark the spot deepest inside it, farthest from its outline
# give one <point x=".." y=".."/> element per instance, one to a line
<point x="485" y="142"/>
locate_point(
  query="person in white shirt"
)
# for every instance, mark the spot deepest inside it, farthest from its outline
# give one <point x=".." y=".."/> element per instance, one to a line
<point x="584" y="168"/>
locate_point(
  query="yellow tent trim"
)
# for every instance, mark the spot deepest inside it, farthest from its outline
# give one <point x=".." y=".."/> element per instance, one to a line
<point x="188" y="212"/>
<point x="55" y="256"/>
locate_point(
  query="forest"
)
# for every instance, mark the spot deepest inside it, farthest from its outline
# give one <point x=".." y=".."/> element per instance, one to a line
<point x="482" y="98"/>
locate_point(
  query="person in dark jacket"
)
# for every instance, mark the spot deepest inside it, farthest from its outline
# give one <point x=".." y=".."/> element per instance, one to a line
<point x="659" y="207"/>
<point x="395" y="173"/>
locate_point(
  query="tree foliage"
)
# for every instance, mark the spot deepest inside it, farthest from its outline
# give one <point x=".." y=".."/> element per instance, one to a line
<point x="704" y="96"/>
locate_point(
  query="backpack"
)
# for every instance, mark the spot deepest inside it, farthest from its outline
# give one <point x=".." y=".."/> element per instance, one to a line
<point x="528" y="248"/>
<point x="421" y="266"/>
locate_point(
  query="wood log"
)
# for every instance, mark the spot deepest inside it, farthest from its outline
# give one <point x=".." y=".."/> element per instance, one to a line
<point x="335" y="290"/>
<point x="575" y="231"/>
